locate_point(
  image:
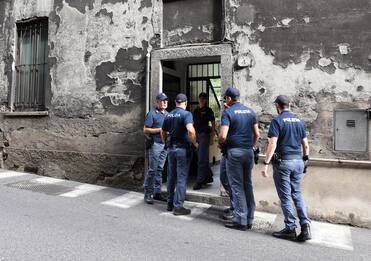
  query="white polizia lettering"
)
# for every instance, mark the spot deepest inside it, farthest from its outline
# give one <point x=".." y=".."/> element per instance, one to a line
<point x="242" y="111"/>
<point x="291" y="120"/>
<point x="176" y="115"/>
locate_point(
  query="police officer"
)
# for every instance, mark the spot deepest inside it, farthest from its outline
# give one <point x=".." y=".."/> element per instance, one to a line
<point x="286" y="136"/>
<point x="178" y="130"/>
<point x="202" y="116"/>
<point x="239" y="133"/>
<point x="156" y="151"/>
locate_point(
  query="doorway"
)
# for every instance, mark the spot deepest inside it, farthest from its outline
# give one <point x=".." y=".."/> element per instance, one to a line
<point x="192" y="70"/>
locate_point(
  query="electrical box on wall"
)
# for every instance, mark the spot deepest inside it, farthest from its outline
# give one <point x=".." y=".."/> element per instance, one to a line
<point x="351" y="130"/>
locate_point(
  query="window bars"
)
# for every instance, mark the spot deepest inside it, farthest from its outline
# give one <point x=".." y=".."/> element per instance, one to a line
<point x="31" y="64"/>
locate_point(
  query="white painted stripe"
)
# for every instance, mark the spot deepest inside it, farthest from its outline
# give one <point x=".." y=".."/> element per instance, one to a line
<point x="330" y="235"/>
<point x="196" y="210"/>
<point x="11" y="174"/>
<point x="265" y="217"/>
<point x="127" y="200"/>
<point x="82" y="190"/>
<point x="47" y="180"/>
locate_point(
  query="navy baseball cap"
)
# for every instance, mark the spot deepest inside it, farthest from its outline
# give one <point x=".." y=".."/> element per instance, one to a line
<point x="282" y="100"/>
<point x="161" y="97"/>
<point x="231" y="92"/>
<point x="181" y="98"/>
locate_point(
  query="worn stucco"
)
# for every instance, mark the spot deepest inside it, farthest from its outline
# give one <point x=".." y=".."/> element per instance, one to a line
<point x="96" y="59"/>
<point x="316" y="54"/>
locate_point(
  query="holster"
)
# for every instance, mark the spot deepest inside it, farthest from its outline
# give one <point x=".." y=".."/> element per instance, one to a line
<point x="276" y="159"/>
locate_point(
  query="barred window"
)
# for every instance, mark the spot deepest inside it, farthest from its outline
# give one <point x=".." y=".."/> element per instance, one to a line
<point x="31" y="65"/>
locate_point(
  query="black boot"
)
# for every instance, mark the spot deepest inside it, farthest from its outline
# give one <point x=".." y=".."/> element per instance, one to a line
<point x="148" y="199"/>
<point x="285" y="234"/>
<point x="170" y="206"/>
<point x="234" y="225"/>
<point x="305" y="233"/>
<point x="197" y="186"/>
<point x="181" y="211"/>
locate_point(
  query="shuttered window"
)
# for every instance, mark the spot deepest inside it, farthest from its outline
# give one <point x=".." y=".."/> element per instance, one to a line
<point x="31" y="65"/>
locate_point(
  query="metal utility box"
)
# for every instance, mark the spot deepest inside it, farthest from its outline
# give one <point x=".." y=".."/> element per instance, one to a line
<point x="351" y="130"/>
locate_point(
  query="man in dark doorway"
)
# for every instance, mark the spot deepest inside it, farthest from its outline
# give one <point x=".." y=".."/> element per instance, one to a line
<point x="156" y="151"/>
<point x="203" y="115"/>
<point x="180" y="134"/>
<point x="288" y="151"/>
<point x="239" y="133"/>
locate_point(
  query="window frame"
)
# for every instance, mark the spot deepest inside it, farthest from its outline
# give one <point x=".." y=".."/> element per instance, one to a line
<point x="40" y="91"/>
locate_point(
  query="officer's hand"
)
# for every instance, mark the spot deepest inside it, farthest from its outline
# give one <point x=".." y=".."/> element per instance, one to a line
<point x="196" y="145"/>
<point x="264" y="171"/>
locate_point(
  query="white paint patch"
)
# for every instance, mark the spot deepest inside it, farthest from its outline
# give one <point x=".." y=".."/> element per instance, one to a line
<point x="261" y="28"/>
<point x="47" y="180"/>
<point x="196" y="210"/>
<point x="330" y="235"/>
<point x="82" y="190"/>
<point x="344" y="48"/>
<point x="265" y="217"/>
<point x="286" y="21"/>
<point x="127" y="200"/>
<point x="11" y="174"/>
<point x="306" y="19"/>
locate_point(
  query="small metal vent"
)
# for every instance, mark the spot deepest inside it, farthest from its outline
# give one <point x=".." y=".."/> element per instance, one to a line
<point x="351" y="123"/>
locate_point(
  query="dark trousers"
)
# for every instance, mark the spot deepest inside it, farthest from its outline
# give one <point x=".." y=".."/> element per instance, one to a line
<point x="177" y="174"/>
<point x="239" y="167"/>
<point x="204" y="171"/>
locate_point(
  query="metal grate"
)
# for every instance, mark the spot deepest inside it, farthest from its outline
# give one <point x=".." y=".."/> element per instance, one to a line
<point x="204" y="78"/>
<point x="31" y="64"/>
<point x="49" y="189"/>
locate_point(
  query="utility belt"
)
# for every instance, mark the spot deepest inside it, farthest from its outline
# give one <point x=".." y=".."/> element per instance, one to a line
<point x="179" y="145"/>
<point x="277" y="158"/>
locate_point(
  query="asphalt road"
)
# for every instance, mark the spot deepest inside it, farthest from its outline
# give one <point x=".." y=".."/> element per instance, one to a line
<point x="48" y="219"/>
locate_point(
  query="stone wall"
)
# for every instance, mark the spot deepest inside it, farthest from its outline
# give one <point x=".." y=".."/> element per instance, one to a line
<point x="97" y="52"/>
<point x="316" y="52"/>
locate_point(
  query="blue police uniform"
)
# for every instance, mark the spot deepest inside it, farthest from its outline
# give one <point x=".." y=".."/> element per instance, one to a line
<point x="202" y="117"/>
<point x="288" y="174"/>
<point x="240" y="160"/>
<point x="179" y="156"/>
<point x="156" y="154"/>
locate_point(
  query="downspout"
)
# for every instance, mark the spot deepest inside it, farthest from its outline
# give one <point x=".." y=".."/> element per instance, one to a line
<point x="148" y="73"/>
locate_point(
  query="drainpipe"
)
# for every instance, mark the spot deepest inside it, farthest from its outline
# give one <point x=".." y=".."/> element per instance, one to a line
<point x="148" y="72"/>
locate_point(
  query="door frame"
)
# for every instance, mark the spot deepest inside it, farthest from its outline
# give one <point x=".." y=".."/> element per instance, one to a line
<point x="224" y="51"/>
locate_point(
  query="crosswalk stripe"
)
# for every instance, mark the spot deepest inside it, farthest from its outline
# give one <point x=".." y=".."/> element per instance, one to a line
<point x="196" y="210"/>
<point x="47" y="180"/>
<point x="127" y="200"/>
<point x="82" y="190"/>
<point x="11" y="174"/>
<point x="330" y="235"/>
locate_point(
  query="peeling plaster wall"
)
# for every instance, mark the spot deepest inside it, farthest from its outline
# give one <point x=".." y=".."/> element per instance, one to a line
<point x="185" y="22"/>
<point x="316" y="52"/>
<point x="97" y="57"/>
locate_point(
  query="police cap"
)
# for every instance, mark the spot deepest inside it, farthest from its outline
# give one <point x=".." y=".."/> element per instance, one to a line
<point x="282" y="100"/>
<point x="231" y="92"/>
<point x="161" y="97"/>
<point x="181" y="98"/>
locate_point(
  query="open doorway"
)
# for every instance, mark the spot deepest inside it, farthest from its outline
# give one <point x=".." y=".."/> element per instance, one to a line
<point x="193" y="76"/>
<point x="192" y="70"/>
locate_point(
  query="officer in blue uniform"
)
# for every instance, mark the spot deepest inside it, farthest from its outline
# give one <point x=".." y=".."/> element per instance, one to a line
<point x="202" y="116"/>
<point x="239" y="133"/>
<point x="288" y="151"/>
<point x="156" y="151"/>
<point x="179" y="132"/>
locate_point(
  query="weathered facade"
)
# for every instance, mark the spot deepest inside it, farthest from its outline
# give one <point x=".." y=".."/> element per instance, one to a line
<point x="317" y="52"/>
